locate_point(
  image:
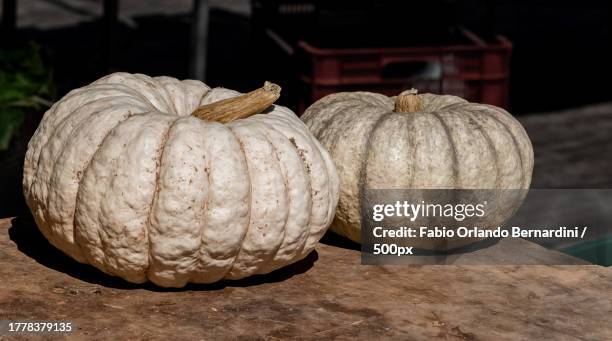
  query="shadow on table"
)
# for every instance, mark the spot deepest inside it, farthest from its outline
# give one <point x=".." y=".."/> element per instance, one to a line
<point x="31" y="242"/>
<point x="332" y="239"/>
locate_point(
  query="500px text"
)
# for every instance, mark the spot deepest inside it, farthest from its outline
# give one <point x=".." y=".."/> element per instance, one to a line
<point x="392" y="249"/>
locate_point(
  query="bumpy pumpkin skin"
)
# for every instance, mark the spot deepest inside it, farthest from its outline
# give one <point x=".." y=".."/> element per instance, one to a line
<point x="120" y="176"/>
<point x="449" y="143"/>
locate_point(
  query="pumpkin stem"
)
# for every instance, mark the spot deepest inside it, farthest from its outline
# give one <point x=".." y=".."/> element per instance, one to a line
<point x="408" y="102"/>
<point x="242" y="106"/>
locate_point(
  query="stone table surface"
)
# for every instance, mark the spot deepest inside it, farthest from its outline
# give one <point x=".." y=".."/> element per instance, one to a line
<point x="328" y="295"/>
<point x="572" y="147"/>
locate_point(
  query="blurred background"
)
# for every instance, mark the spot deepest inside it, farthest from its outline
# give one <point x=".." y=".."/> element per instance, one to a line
<point x="547" y="62"/>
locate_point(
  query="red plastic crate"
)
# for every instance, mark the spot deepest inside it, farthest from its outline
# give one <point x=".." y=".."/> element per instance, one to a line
<point x="474" y="69"/>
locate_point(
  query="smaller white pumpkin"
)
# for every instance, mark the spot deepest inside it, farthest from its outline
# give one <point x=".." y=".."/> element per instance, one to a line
<point x="420" y="142"/>
<point x="170" y="181"/>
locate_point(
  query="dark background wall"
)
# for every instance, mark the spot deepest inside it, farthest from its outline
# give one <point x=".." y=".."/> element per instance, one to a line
<point x="562" y="49"/>
<point x="561" y="55"/>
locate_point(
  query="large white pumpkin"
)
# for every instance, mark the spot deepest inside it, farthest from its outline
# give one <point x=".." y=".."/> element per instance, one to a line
<point x="420" y="142"/>
<point x="121" y="175"/>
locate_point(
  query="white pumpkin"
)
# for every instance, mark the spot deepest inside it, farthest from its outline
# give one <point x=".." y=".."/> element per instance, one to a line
<point x="420" y="142"/>
<point x="121" y="175"/>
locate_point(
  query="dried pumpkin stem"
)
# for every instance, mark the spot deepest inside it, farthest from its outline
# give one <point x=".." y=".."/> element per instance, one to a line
<point x="242" y="106"/>
<point x="408" y="102"/>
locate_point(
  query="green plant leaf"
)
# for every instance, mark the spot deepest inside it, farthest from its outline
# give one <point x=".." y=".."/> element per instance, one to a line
<point x="25" y="86"/>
